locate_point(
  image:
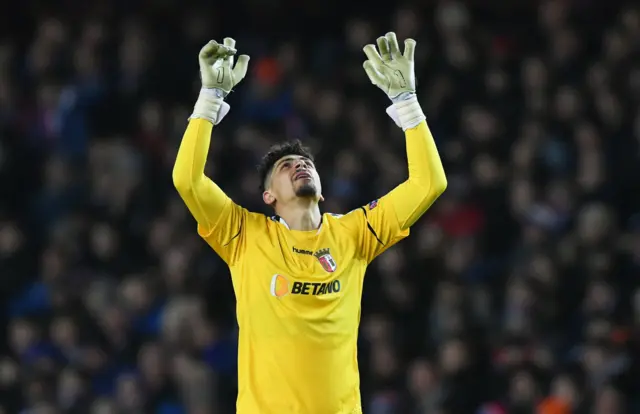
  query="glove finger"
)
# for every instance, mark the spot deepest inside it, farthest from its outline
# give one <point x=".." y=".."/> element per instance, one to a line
<point x="372" y="54"/>
<point x="225" y="51"/>
<point x="392" y="40"/>
<point x="374" y="76"/>
<point x="240" y="70"/>
<point x="410" y="49"/>
<point x="209" y="50"/>
<point x="230" y="43"/>
<point x="383" y="47"/>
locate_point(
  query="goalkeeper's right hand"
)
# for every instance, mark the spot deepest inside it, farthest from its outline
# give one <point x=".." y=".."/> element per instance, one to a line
<point x="219" y="76"/>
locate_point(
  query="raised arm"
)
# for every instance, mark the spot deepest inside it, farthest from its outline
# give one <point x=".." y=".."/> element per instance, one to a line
<point x="220" y="220"/>
<point x="204" y="199"/>
<point x="426" y="181"/>
<point x="388" y="220"/>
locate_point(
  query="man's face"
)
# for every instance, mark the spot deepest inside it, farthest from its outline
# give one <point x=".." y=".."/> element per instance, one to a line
<point x="292" y="177"/>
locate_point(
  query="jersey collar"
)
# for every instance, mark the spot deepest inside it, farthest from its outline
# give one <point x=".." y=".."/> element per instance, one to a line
<point x="280" y="220"/>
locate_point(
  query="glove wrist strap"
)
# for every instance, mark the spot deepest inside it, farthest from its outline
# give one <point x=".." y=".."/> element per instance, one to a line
<point x="406" y="111"/>
<point x="403" y="96"/>
<point x="210" y="105"/>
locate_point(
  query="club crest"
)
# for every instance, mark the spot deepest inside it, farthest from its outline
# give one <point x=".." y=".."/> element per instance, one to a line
<point x="326" y="260"/>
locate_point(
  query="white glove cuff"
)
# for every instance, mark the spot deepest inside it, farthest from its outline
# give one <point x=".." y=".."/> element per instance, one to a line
<point x="406" y="113"/>
<point x="210" y="106"/>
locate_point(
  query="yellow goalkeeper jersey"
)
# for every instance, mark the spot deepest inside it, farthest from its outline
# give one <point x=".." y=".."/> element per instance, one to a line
<point x="298" y="292"/>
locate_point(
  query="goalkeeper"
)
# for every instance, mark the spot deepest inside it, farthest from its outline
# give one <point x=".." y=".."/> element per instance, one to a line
<point x="298" y="275"/>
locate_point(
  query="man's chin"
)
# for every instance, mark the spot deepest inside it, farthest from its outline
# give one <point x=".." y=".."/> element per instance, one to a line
<point x="307" y="191"/>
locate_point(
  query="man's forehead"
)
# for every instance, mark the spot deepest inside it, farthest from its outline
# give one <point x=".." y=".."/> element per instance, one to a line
<point x="291" y="157"/>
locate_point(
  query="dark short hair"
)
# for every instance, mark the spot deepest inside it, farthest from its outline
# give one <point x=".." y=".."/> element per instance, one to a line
<point x="278" y="151"/>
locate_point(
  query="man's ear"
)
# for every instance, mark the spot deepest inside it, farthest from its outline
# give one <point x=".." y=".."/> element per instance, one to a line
<point x="268" y="198"/>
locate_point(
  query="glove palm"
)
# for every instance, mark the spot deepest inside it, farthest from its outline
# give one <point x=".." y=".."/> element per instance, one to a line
<point x="391" y="70"/>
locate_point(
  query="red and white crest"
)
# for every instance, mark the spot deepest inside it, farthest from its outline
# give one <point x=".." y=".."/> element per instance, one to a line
<point x="326" y="260"/>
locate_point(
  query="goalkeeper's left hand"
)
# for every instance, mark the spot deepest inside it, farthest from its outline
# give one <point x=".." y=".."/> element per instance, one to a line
<point x="394" y="73"/>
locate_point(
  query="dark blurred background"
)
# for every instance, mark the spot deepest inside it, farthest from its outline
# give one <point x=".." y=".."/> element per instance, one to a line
<point x="517" y="293"/>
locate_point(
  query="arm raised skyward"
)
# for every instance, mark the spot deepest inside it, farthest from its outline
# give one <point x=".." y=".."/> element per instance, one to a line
<point x="426" y="181"/>
<point x="204" y="199"/>
<point x="220" y="220"/>
<point x="394" y="73"/>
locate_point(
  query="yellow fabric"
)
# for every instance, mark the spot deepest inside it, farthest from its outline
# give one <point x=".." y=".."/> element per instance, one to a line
<point x="298" y="292"/>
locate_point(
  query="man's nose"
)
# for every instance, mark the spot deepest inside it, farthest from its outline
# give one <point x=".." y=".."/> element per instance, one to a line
<point x="299" y="165"/>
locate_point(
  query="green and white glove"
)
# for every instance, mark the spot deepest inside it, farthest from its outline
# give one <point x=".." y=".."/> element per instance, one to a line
<point x="394" y="73"/>
<point x="219" y="76"/>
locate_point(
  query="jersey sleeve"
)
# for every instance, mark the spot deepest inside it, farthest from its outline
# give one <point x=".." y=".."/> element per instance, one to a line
<point x="226" y="235"/>
<point x="386" y="221"/>
<point x="221" y="222"/>
<point x="379" y="227"/>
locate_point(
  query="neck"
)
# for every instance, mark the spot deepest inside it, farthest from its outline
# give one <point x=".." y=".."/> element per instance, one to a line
<point x="303" y="215"/>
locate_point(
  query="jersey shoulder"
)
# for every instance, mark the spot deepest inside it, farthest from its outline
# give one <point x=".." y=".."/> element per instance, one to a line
<point x="259" y="222"/>
<point x="349" y="220"/>
<point x="263" y="224"/>
<point x="353" y="214"/>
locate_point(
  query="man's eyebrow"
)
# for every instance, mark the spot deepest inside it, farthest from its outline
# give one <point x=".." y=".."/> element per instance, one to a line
<point x="291" y="158"/>
<point x="285" y="159"/>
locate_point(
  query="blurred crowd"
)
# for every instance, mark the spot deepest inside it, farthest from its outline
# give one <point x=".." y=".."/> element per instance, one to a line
<point x="517" y="293"/>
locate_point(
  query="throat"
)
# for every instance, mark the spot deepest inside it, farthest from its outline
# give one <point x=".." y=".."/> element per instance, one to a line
<point x="302" y="220"/>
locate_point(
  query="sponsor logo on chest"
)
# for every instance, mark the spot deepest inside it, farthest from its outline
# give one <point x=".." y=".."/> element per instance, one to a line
<point x="280" y="287"/>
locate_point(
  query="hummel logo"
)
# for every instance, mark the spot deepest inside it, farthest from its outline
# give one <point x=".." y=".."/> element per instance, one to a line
<point x="301" y="251"/>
